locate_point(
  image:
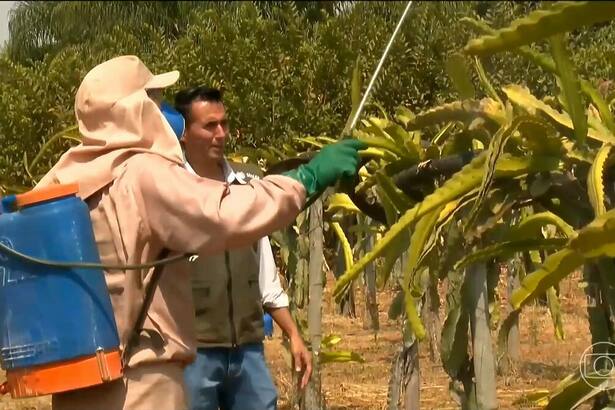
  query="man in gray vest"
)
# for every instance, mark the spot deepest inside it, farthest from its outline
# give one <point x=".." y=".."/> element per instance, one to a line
<point x="231" y="290"/>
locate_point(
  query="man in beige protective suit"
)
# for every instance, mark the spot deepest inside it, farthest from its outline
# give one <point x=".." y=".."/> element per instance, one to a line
<point x="142" y="200"/>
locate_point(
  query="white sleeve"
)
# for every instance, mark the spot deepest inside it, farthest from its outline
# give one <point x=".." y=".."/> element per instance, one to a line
<point x="268" y="280"/>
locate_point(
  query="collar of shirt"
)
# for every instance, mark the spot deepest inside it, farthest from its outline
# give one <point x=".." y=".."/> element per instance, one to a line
<point x="229" y="174"/>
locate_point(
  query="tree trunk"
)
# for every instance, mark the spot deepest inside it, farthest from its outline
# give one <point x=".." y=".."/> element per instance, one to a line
<point x="484" y="363"/>
<point x="599" y="323"/>
<point x="431" y="318"/>
<point x="510" y="355"/>
<point x="298" y="261"/>
<point x="606" y="290"/>
<point x="370" y="318"/>
<point x="395" y="376"/>
<point x="404" y="379"/>
<point x="313" y="395"/>
<point x="412" y="387"/>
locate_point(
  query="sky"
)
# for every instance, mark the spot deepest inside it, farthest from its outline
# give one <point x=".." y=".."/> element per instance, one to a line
<point x="5" y="6"/>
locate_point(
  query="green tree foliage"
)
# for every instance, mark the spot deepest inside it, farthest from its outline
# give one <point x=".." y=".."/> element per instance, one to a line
<point x="284" y="65"/>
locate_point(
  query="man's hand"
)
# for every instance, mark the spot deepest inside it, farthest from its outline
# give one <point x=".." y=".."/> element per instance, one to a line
<point x="302" y="358"/>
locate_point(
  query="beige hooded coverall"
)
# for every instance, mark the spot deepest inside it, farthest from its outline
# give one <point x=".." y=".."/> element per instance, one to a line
<point x="130" y="171"/>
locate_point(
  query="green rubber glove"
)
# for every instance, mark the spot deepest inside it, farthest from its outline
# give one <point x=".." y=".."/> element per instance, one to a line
<point x="332" y="163"/>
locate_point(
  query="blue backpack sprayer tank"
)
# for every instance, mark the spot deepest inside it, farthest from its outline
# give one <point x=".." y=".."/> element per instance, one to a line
<point x="57" y="328"/>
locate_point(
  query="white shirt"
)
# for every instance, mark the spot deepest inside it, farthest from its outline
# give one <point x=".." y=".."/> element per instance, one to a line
<point x="273" y="296"/>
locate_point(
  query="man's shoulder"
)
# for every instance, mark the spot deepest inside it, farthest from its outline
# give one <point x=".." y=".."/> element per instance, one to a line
<point x="147" y="169"/>
<point x="246" y="171"/>
<point x="148" y="162"/>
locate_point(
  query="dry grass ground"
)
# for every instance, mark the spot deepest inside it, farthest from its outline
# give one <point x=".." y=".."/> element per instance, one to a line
<point x="544" y="360"/>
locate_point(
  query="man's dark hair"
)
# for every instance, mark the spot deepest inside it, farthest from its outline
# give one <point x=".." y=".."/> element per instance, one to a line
<point x="185" y="98"/>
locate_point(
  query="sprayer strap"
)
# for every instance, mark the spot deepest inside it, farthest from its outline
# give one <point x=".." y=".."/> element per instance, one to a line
<point x="133" y="339"/>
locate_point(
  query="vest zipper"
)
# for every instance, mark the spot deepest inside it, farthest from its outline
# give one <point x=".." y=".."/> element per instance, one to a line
<point x="229" y="289"/>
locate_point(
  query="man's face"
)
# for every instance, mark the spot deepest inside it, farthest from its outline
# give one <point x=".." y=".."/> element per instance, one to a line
<point x="207" y="129"/>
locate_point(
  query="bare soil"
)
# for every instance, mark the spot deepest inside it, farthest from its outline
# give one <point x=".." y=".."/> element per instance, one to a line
<point x="544" y="359"/>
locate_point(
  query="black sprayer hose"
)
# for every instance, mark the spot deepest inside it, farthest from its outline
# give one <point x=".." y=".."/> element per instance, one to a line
<point x="88" y="265"/>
